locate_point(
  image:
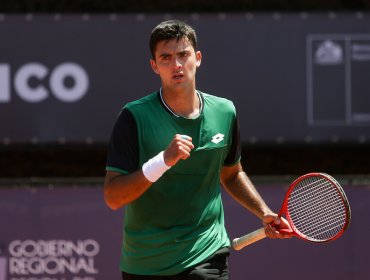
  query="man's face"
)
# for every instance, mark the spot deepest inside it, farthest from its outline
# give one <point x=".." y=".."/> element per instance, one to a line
<point x="176" y="62"/>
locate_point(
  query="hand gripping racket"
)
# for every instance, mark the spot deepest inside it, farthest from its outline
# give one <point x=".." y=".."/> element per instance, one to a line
<point x="316" y="208"/>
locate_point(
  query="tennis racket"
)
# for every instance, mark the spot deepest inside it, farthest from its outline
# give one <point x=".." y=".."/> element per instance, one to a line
<point x="315" y="207"/>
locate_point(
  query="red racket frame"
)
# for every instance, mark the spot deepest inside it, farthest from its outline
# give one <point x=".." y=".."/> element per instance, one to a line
<point x="337" y="186"/>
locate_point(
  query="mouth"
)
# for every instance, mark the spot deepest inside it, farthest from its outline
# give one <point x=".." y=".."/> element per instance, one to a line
<point x="178" y="76"/>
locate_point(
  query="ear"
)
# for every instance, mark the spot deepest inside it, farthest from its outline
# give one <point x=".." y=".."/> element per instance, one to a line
<point x="153" y="64"/>
<point x="198" y="57"/>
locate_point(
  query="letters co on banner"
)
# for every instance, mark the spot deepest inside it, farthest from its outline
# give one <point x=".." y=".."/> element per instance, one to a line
<point x="68" y="82"/>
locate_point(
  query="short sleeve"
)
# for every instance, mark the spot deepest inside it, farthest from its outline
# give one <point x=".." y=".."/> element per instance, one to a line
<point x="235" y="149"/>
<point x="123" y="144"/>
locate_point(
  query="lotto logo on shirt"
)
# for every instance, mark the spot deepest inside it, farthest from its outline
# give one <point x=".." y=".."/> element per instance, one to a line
<point x="218" y="138"/>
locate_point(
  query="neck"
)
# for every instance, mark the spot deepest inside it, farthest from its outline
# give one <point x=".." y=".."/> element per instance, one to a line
<point x="185" y="104"/>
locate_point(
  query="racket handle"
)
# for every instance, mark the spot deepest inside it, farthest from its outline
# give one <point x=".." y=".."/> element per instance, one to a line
<point x="241" y="242"/>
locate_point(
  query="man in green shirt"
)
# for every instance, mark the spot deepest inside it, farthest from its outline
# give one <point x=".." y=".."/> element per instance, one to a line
<point x="167" y="155"/>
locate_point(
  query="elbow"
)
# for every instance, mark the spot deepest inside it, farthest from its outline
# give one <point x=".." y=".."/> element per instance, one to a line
<point x="110" y="200"/>
<point x="111" y="205"/>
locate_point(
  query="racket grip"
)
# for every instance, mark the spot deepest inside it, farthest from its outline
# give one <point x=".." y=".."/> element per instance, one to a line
<point x="241" y="242"/>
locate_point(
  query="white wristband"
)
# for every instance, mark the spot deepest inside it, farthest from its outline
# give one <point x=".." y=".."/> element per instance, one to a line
<point x="154" y="168"/>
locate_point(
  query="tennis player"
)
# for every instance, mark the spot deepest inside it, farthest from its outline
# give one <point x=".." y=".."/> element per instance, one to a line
<point x="167" y="155"/>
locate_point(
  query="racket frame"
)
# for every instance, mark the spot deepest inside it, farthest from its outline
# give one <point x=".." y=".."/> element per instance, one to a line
<point x="241" y="242"/>
<point x="337" y="187"/>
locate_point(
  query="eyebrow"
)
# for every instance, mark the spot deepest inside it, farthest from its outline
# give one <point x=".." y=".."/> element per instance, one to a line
<point x="183" y="52"/>
<point x="168" y="54"/>
<point x="164" y="55"/>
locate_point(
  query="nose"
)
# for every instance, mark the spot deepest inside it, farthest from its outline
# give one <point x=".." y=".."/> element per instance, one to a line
<point x="177" y="63"/>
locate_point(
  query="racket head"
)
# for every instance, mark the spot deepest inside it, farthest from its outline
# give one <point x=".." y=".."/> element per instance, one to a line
<point x="316" y="208"/>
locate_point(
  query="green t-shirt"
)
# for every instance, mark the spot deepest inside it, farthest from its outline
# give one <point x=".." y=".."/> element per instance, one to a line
<point x="179" y="221"/>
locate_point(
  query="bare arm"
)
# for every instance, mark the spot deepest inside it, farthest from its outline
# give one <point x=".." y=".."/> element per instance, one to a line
<point x="240" y="187"/>
<point x="121" y="189"/>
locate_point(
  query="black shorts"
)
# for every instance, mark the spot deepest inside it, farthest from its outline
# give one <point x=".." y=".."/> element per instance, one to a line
<point x="215" y="267"/>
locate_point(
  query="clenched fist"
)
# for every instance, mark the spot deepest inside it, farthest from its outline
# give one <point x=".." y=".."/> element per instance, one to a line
<point x="179" y="148"/>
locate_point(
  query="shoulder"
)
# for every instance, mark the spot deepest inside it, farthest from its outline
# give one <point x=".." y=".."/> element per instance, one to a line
<point x="220" y="102"/>
<point x="142" y="102"/>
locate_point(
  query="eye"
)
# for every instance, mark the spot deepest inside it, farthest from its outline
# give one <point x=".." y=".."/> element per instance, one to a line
<point x="164" y="57"/>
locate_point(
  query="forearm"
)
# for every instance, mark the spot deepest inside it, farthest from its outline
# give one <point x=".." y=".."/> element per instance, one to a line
<point x="121" y="189"/>
<point x="244" y="192"/>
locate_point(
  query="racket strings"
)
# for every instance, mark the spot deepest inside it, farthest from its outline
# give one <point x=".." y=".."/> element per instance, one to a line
<point x="310" y="206"/>
<point x="325" y="229"/>
<point x="317" y="221"/>
<point x="332" y="208"/>
<point x="322" y="226"/>
<point x="300" y="206"/>
<point x="316" y="209"/>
